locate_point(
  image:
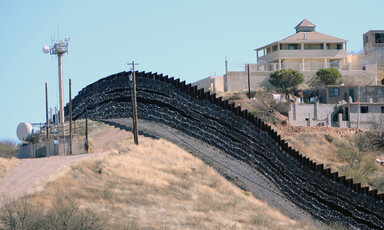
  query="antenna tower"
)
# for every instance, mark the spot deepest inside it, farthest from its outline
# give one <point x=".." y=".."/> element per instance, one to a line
<point x="59" y="48"/>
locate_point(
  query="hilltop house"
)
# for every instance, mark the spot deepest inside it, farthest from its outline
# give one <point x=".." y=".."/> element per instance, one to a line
<point x="304" y="50"/>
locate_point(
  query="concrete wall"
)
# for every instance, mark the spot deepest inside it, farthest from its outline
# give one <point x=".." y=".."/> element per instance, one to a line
<point x="374" y="119"/>
<point x="369" y="41"/>
<point x="212" y="84"/>
<point x="41" y="149"/>
<point x="238" y="80"/>
<point x="367" y="94"/>
<point x="50" y="148"/>
<point x="302" y="114"/>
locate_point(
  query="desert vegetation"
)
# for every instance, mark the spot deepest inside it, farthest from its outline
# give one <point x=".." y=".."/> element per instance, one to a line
<point x="63" y="214"/>
<point x="8" y="151"/>
<point x="152" y="186"/>
<point x="328" y="76"/>
<point x="351" y="152"/>
<point x="286" y="80"/>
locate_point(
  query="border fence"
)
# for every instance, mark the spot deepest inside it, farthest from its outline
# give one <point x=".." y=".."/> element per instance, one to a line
<point x="324" y="193"/>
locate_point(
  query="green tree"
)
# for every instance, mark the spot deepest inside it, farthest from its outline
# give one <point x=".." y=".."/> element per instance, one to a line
<point x="286" y="79"/>
<point x="328" y="76"/>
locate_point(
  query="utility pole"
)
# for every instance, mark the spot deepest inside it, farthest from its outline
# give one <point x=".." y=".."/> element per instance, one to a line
<point x="226" y="66"/>
<point x="86" y="131"/>
<point x="70" y="117"/>
<point x="358" y="106"/>
<point x="249" y="84"/>
<point x="135" y="130"/>
<point x="46" y="109"/>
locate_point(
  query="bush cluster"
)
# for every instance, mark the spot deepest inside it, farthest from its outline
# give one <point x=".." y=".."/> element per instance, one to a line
<point x="8" y="148"/>
<point x="22" y="214"/>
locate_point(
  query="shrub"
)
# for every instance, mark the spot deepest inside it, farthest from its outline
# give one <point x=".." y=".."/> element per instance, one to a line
<point x="378" y="182"/>
<point x="359" y="165"/>
<point x="8" y="148"/>
<point x="286" y="79"/>
<point x="21" y="214"/>
<point x="328" y="76"/>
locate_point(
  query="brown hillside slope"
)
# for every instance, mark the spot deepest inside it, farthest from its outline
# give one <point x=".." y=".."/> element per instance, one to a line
<point x="156" y="185"/>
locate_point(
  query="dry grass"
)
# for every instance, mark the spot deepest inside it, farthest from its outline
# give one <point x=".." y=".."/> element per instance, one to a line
<point x="323" y="148"/>
<point x="320" y="147"/>
<point x="159" y="186"/>
<point x="6" y="164"/>
<point x="8" y="150"/>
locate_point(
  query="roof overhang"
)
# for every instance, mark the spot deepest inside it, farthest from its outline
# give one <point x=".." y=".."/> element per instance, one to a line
<point x="301" y="41"/>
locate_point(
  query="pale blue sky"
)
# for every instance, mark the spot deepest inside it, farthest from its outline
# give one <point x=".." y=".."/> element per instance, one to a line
<point x="184" y="39"/>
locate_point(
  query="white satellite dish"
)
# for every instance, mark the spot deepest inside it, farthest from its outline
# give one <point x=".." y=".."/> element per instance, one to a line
<point x="46" y="49"/>
<point x="24" y="131"/>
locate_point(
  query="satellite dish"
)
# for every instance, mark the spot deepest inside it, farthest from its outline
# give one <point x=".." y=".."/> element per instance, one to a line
<point x="46" y="49"/>
<point x="24" y="131"/>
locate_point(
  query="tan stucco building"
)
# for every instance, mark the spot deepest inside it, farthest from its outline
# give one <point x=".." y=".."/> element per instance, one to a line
<point x="373" y="40"/>
<point x="304" y="50"/>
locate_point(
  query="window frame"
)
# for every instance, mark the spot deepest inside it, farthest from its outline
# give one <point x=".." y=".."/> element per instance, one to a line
<point x="364" y="109"/>
<point x="334" y="92"/>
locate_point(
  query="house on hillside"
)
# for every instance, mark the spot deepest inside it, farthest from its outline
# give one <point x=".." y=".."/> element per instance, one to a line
<point x="342" y="106"/>
<point x="374" y="49"/>
<point x="307" y="49"/>
<point x="373" y="41"/>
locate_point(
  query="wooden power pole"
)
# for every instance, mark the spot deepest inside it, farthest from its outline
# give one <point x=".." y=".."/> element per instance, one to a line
<point x="86" y="132"/>
<point x="70" y="117"/>
<point x="249" y="84"/>
<point x="135" y="129"/>
<point x="46" y="109"/>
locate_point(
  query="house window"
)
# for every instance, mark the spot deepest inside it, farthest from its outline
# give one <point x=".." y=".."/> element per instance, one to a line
<point x="379" y="38"/>
<point x="382" y="109"/>
<point x="293" y="47"/>
<point x="364" y="109"/>
<point x="328" y="46"/>
<point x="366" y="39"/>
<point x="334" y="92"/>
<point x="339" y="46"/>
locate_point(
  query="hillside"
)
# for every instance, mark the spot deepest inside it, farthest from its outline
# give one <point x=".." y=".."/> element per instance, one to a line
<point x="155" y="185"/>
<point x="321" y="144"/>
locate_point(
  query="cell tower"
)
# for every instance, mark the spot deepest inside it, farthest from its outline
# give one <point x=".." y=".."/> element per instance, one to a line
<point x="59" y="48"/>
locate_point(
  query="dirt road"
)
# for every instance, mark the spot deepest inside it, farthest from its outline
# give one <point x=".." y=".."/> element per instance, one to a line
<point x="30" y="171"/>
